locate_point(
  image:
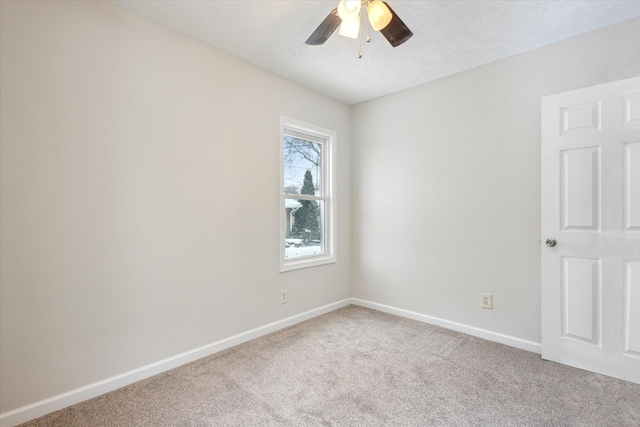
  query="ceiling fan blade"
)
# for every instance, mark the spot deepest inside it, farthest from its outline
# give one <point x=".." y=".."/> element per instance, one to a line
<point x="325" y="29"/>
<point x="396" y="32"/>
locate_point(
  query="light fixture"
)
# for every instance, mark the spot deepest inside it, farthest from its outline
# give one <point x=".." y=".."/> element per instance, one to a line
<point x="347" y="16"/>
<point x="350" y="29"/>
<point x="379" y="14"/>
<point x="349" y="10"/>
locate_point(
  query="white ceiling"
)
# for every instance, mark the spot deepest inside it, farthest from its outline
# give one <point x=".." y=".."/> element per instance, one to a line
<point x="449" y="37"/>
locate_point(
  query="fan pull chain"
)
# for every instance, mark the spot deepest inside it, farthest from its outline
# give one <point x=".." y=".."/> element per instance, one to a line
<point x="368" y="39"/>
<point x="360" y="42"/>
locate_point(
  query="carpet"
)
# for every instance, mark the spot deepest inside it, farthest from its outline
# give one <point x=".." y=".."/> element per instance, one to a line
<point x="360" y="367"/>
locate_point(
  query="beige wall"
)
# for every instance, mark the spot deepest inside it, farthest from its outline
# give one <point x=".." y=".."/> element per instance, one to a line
<point x="446" y="183"/>
<point x="139" y="196"/>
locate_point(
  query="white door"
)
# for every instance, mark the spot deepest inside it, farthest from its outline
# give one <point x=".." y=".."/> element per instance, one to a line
<point x="591" y="208"/>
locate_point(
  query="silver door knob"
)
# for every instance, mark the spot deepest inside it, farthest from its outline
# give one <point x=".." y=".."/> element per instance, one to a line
<point x="550" y="242"/>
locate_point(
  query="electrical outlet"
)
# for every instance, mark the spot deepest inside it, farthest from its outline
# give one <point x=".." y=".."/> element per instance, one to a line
<point x="283" y="296"/>
<point x="486" y="301"/>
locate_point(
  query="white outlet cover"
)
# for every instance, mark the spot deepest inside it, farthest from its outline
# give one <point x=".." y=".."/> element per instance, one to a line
<point x="486" y="301"/>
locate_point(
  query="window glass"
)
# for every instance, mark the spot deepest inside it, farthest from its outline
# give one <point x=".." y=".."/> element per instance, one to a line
<point x="302" y="166"/>
<point x="305" y="228"/>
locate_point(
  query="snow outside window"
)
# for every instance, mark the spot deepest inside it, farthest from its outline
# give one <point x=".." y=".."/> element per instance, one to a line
<point x="307" y="205"/>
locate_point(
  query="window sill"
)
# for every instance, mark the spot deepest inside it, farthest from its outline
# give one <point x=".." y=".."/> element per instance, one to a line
<point x="306" y="262"/>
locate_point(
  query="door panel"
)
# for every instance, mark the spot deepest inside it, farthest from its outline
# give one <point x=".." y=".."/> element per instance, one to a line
<point x="632" y="186"/>
<point x="581" y="299"/>
<point x="632" y="308"/>
<point x="591" y="207"/>
<point x="580" y="117"/>
<point x="580" y="172"/>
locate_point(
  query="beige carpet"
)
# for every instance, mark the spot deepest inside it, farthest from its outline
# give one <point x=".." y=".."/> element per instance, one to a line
<point x="359" y="367"/>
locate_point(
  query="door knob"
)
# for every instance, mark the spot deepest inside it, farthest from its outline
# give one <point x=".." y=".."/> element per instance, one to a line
<point x="550" y="242"/>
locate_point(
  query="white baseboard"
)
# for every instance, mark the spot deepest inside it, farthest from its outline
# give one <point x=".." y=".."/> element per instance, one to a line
<point x="55" y="403"/>
<point x="471" y="330"/>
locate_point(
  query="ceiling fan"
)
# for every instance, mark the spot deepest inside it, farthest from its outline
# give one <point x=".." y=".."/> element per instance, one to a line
<point x="347" y="16"/>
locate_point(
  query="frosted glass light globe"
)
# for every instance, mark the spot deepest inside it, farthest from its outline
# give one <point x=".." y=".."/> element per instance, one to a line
<point x="379" y="14"/>
<point x="349" y="10"/>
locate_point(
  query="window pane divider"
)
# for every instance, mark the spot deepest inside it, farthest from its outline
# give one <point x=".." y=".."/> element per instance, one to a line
<point x="304" y="197"/>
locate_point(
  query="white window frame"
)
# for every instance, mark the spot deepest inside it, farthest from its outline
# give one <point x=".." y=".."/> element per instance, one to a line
<point x="327" y="138"/>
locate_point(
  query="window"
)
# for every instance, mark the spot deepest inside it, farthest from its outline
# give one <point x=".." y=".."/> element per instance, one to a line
<point x="307" y="202"/>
